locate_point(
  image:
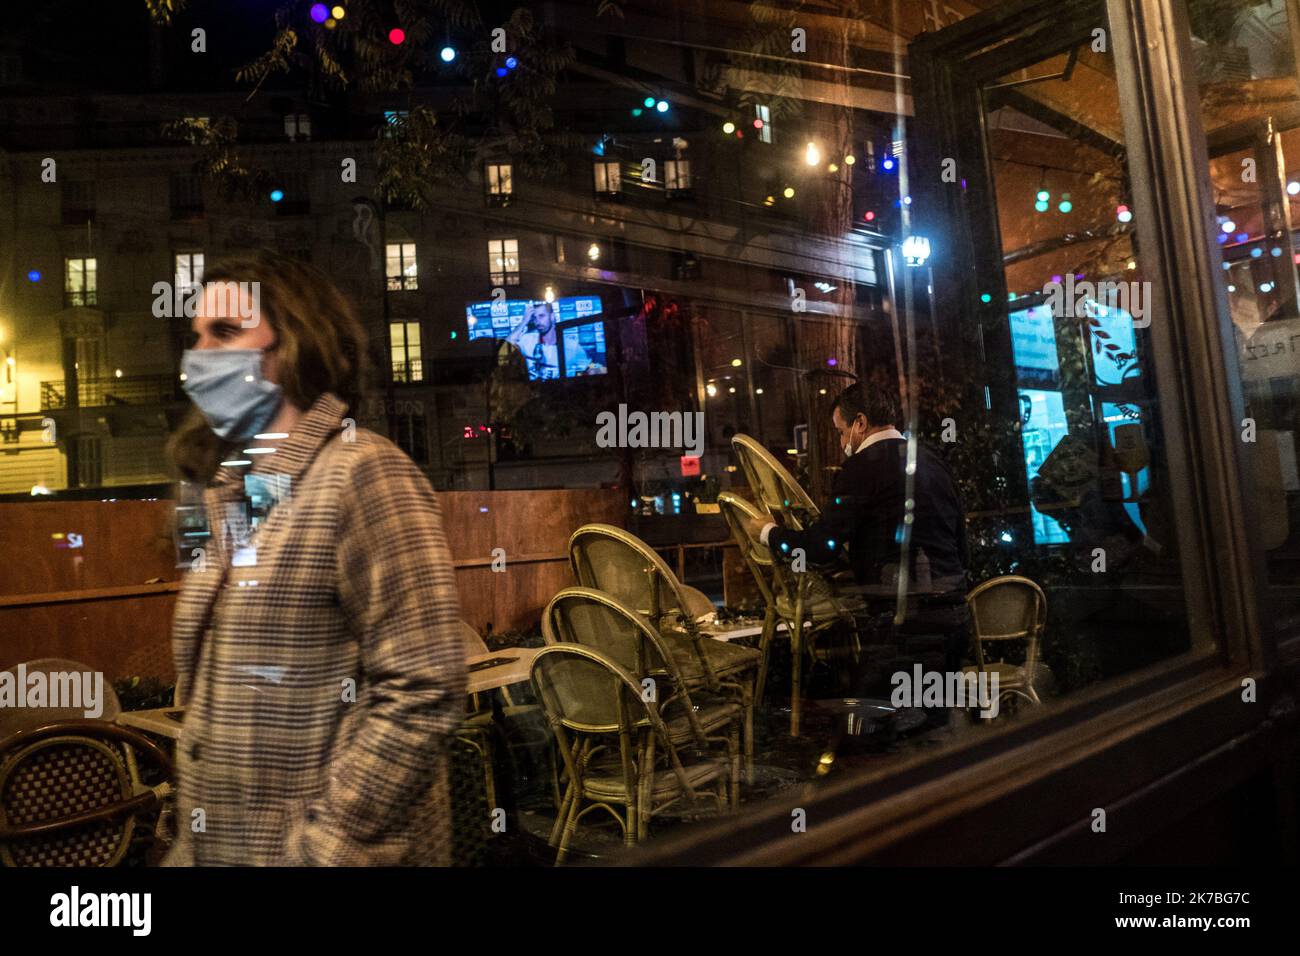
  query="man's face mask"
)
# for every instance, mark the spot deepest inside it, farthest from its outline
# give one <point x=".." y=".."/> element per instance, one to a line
<point x="228" y="388"/>
<point x="853" y="442"/>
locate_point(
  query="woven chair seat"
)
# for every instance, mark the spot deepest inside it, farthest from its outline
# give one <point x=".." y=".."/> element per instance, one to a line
<point x="61" y="780"/>
<point x="711" y="718"/>
<point x="818" y="608"/>
<point x="1011" y="676"/>
<point x="726" y="658"/>
<point x="603" y="778"/>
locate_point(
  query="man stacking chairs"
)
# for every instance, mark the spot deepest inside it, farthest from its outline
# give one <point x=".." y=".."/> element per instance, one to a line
<point x="802" y="600"/>
<point x="619" y="563"/>
<point x="801" y="596"/>
<point x="611" y="738"/>
<point x="774" y="488"/>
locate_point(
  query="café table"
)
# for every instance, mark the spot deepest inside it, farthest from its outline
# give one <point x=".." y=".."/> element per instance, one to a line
<point x="510" y="665"/>
<point x="735" y="630"/>
<point x="160" y="721"/>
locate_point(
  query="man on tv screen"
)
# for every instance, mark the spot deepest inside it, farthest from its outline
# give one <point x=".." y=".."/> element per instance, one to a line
<point x="535" y="337"/>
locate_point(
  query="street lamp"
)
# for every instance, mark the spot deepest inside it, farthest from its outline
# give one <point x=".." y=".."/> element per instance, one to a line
<point x="916" y="249"/>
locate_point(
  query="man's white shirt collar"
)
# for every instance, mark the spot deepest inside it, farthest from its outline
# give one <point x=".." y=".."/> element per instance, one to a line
<point x="870" y="440"/>
<point x="867" y="442"/>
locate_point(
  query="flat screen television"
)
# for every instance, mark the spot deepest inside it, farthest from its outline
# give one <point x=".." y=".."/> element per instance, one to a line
<point x="555" y="339"/>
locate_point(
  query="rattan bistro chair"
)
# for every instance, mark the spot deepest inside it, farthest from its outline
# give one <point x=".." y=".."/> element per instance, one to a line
<point x="1009" y="608"/>
<point x="608" y="733"/>
<point x="773" y="486"/>
<point x="804" y="601"/>
<point x="72" y="793"/>
<point x="476" y="731"/>
<point x="619" y="563"/>
<point x="597" y="620"/>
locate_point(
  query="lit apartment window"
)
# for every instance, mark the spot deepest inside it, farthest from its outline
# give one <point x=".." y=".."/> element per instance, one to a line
<point x="404" y="341"/>
<point x="503" y="261"/>
<point x="764" y="116"/>
<point x="677" y="175"/>
<point x="79" y="285"/>
<point x="297" y="126"/>
<point x="498" y="179"/>
<point x="609" y="178"/>
<point x="189" y="269"/>
<point x="78" y="203"/>
<point x="401" y="269"/>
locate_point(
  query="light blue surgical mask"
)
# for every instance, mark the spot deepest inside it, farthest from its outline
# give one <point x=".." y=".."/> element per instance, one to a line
<point x="228" y="387"/>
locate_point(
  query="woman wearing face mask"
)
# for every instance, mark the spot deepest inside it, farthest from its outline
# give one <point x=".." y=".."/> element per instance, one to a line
<point x="317" y="654"/>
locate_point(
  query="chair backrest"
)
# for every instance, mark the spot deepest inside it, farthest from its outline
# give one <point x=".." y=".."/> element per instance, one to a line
<point x="619" y="563"/>
<point x="599" y="620"/>
<point x="774" y="488"/>
<point x="1008" y="608"/>
<point x="15" y="719"/>
<point x="698" y="604"/>
<point x="738" y="512"/>
<point x="470" y="640"/>
<point x="71" y="793"/>
<point x="775" y="578"/>
<point x="585" y="692"/>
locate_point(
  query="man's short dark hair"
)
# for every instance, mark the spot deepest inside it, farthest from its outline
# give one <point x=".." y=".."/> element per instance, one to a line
<point x="879" y="405"/>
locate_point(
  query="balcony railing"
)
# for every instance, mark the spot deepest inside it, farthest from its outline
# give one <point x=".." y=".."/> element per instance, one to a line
<point x="408" y="372"/>
<point x="127" y="390"/>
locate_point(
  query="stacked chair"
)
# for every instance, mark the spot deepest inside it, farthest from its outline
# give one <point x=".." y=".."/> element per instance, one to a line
<point x="664" y="718"/>
<point x="805" y="601"/>
<point x="623" y="566"/>
<point x="477" y="730"/>
<point x="617" y="749"/>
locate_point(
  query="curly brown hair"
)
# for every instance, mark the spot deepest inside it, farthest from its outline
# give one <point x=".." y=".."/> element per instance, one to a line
<point x="320" y="347"/>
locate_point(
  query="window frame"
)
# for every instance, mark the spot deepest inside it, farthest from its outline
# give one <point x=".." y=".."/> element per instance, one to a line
<point x="603" y="166"/>
<point x="1181" y="721"/>
<point x="504" y="277"/>
<point x="405" y="283"/>
<point x="492" y="183"/>
<point x="176" y="267"/>
<point x="89" y="291"/>
<point x="678" y="168"/>
<point x="413" y="368"/>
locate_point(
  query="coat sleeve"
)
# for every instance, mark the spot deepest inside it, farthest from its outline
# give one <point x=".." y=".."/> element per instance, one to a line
<point x="823" y="541"/>
<point x="397" y="589"/>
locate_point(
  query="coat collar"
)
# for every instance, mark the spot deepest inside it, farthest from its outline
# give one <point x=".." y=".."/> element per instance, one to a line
<point x="316" y="426"/>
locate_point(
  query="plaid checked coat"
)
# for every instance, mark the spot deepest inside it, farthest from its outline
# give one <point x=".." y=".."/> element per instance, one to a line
<point x="352" y="587"/>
